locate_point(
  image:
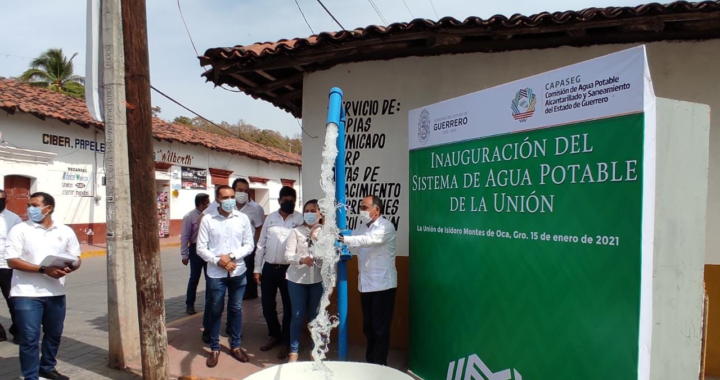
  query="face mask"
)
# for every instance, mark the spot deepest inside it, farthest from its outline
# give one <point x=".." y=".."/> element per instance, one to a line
<point x="311" y="218"/>
<point x="242" y="198"/>
<point x="228" y="205"/>
<point x="287" y="207"/>
<point x="365" y="217"/>
<point x="35" y="214"/>
<point x="2" y="204"/>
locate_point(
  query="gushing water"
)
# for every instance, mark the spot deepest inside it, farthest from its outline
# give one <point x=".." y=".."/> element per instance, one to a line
<point x="326" y="252"/>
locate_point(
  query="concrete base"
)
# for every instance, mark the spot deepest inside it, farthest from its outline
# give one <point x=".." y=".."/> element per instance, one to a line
<point x="340" y="370"/>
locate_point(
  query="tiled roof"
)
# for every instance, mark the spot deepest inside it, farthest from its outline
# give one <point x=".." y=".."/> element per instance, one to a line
<point x="273" y="71"/>
<point x="43" y="103"/>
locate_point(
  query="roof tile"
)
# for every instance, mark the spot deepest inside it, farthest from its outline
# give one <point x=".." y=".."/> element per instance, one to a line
<point x="16" y="96"/>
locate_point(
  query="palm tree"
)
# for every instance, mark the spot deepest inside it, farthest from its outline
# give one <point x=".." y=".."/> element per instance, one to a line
<point x="54" y="71"/>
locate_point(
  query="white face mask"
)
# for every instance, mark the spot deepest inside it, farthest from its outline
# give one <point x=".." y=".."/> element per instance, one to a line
<point x="242" y="198"/>
<point x="365" y="217"/>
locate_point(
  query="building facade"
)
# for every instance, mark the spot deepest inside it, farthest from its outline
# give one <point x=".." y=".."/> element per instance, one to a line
<point x="385" y="72"/>
<point x="49" y="143"/>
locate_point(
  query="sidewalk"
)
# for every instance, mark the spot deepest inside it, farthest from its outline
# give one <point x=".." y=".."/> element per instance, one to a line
<point x="94" y="250"/>
<point x="187" y="353"/>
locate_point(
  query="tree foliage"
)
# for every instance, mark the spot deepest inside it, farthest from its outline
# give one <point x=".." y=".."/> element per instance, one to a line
<point x="247" y="132"/>
<point x="53" y="70"/>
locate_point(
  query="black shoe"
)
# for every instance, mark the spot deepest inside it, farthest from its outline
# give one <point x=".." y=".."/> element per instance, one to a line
<point x="16" y="340"/>
<point x="191" y="310"/>
<point x="53" y="375"/>
<point x="3" y="337"/>
<point x="252" y="297"/>
<point x="206" y="337"/>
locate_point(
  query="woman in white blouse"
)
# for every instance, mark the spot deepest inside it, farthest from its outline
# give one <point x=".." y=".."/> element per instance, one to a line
<point x="304" y="278"/>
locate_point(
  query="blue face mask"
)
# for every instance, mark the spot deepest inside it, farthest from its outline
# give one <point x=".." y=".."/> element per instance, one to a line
<point x="35" y="214"/>
<point x="228" y="205"/>
<point x="311" y="218"/>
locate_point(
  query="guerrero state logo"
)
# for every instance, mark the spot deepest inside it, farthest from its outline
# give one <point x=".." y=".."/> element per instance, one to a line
<point x="523" y="106"/>
<point x="424" y="127"/>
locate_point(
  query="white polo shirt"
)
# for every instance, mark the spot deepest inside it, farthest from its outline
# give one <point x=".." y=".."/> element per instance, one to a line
<point x="8" y="220"/>
<point x="31" y="242"/>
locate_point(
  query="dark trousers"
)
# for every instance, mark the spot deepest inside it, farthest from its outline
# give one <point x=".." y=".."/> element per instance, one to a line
<point x="5" y="285"/>
<point x="377" y="310"/>
<point x="197" y="267"/>
<point x="251" y="290"/>
<point x="273" y="278"/>
<point x="34" y="314"/>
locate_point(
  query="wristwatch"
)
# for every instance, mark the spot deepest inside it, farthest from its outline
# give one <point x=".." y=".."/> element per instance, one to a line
<point x="41" y="270"/>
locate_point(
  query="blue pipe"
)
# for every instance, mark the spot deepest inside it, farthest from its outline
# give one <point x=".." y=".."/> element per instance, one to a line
<point x="336" y="115"/>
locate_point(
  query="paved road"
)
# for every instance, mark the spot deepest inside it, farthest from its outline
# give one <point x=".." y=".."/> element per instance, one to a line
<point x="83" y="351"/>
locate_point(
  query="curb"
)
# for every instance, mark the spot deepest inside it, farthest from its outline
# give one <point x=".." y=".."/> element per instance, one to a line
<point x="103" y="252"/>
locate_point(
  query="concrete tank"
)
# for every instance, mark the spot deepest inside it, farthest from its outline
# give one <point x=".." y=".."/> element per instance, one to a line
<point x="341" y="371"/>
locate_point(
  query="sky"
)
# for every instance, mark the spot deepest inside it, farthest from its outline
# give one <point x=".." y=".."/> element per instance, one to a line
<point x="27" y="28"/>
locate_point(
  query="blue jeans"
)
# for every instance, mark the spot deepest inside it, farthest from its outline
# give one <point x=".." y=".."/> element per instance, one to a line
<point x="305" y="300"/>
<point x="216" y="288"/>
<point x="30" y="314"/>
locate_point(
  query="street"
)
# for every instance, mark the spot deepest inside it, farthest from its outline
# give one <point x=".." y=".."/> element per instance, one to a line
<point x="83" y="351"/>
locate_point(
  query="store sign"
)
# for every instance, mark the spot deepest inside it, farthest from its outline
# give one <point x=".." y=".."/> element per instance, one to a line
<point x="71" y="143"/>
<point x="168" y="155"/>
<point x="76" y="181"/>
<point x="531" y="196"/>
<point x="194" y="178"/>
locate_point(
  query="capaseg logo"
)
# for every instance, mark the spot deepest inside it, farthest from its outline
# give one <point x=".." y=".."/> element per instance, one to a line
<point x="424" y="127"/>
<point x="523" y="106"/>
<point x="471" y="371"/>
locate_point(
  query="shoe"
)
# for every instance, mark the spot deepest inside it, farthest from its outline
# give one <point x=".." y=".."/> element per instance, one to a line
<point x="191" y="310"/>
<point x="3" y="336"/>
<point x="270" y="344"/>
<point x="206" y="337"/>
<point x="248" y="298"/>
<point x="16" y="340"/>
<point x="213" y="359"/>
<point x="283" y="353"/>
<point x="292" y="358"/>
<point x="53" y="375"/>
<point x="239" y="354"/>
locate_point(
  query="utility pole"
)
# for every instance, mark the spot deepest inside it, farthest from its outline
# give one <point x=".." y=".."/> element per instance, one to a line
<point x="123" y="329"/>
<point x="148" y="270"/>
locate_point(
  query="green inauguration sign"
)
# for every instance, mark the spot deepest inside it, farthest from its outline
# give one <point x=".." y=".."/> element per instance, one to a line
<point x="531" y="214"/>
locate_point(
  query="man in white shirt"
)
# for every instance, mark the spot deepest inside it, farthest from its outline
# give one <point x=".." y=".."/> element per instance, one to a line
<point x="8" y="220"/>
<point x="374" y="243"/>
<point x="188" y="249"/>
<point x="257" y="215"/>
<point x="38" y="291"/>
<point x="271" y="266"/>
<point x="224" y="239"/>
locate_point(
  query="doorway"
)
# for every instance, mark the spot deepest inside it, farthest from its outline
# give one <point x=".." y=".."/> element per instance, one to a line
<point x="18" y="194"/>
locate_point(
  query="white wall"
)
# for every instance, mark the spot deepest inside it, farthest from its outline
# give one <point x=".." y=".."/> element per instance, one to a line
<point x="26" y="132"/>
<point x="680" y="70"/>
<point x="240" y="166"/>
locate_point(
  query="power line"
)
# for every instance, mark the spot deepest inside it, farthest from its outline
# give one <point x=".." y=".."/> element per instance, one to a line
<point x="193" y="42"/>
<point x="303" y="129"/>
<point x="377" y="10"/>
<point x="193" y="112"/>
<point x="408" y="8"/>
<point x="433" y="7"/>
<point x="304" y="18"/>
<point x="331" y="15"/>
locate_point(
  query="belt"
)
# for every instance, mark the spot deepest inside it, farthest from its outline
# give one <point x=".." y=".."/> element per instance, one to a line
<point x="278" y="266"/>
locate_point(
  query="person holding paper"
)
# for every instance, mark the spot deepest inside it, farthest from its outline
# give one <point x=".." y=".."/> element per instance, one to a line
<point x="224" y="239"/>
<point x="41" y="253"/>
<point x="8" y="220"/>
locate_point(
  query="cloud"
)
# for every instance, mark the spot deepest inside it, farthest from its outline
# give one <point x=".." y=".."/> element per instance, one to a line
<point x="30" y="27"/>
